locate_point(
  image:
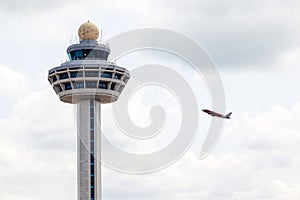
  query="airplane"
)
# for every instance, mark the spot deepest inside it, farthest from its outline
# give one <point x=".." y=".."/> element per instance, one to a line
<point x="214" y="114"/>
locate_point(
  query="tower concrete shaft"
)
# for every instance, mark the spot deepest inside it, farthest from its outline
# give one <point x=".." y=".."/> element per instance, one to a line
<point x="89" y="150"/>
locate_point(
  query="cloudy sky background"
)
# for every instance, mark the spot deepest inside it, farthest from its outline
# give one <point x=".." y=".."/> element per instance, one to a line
<point x="256" y="47"/>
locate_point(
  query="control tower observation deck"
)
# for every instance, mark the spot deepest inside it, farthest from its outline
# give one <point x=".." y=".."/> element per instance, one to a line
<point x="88" y="79"/>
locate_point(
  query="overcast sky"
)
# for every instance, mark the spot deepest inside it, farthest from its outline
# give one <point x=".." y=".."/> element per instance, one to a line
<point x="256" y="48"/>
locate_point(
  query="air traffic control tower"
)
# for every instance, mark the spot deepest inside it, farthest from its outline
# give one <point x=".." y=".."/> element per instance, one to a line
<point x="88" y="79"/>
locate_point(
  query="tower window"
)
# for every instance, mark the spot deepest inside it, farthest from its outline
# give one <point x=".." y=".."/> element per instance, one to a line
<point x="106" y="75"/>
<point x="63" y="76"/>
<point x="92" y="193"/>
<point x="68" y="86"/>
<point x="92" y="158"/>
<point x="76" y="74"/>
<point x="117" y="76"/>
<point x="101" y="54"/>
<point x="103" y="85"/>
<point x="112" y="87"/>
<point x="88" y="53"/>
<point x="92" y="169"/>
<point x="126" y="79"/>
<point x="78" y="54"/>
<point x="121" y="88"/>
<point x="57" y="88"/>
<point x="79" y="85"/>
<point x="70" y="57"/>
<point x="91" y="84"/>
<point x="91" y="73"/>
<point x="105" y="55"/>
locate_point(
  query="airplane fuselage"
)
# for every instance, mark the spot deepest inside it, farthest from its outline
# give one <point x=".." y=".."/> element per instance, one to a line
<point x="215" y="114"/>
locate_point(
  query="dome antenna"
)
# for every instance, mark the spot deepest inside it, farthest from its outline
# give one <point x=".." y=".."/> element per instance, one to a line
<point x="101" y="36"/>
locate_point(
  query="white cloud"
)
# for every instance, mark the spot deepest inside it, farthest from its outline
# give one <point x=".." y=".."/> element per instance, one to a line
<point x="257" y="158"/>
<point x="289" y="60"/>
<point x="37" y="146"/>
<point x="236" y="34"/>
<point x="12" y="83"/>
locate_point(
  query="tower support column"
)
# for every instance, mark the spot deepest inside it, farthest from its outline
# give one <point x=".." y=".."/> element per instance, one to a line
<point x="89" y="150"/>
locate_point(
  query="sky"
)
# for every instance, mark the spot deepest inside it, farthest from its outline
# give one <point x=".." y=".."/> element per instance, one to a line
<point x="255" y="46"/>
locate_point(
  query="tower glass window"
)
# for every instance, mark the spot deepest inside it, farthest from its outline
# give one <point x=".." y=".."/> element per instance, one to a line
<point x="68" y="86"/>
<point x="103" y="85"/>
<point x="91" y="84"/>
<point x="76" y="74"/>
<point x="126" y="79"/>
<point x="91" y="73"/>
<point x="70" y="57"/>
<point x="88" y="54"/>
<point x="112" y="87"/>
<point x="103" y="55"/>
<point x="117" y="76"/>
<point x="106" y="75"/>
<point x="57" y="88"/>
<point x="63" y="76"/>
<point x="79" y="85"/>
<point x="76" y="55"/>
<point x="100" y="54"/>
<point x="92" y="158"/>
<point x="121" y="88"/>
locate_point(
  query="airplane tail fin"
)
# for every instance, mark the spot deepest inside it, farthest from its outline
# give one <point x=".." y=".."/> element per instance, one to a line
<point x="228" y="115"/>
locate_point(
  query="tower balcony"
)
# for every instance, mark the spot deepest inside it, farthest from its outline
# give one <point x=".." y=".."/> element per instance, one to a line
<point x="75" y="81"/>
